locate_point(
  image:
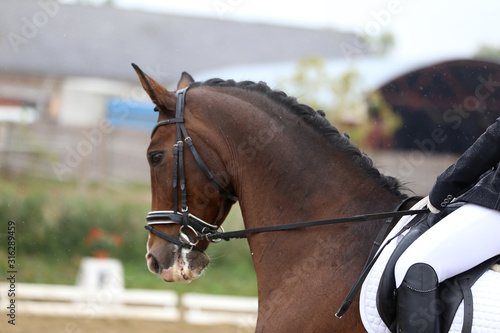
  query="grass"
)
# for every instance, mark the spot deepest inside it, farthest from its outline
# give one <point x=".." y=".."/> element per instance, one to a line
<point x="53" y="220"/>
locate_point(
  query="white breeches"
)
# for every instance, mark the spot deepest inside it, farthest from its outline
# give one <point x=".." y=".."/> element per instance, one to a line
<point x="460" y="241"/>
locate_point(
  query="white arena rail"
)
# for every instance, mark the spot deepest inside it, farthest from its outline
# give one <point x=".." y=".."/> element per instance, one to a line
<point x="119" y="303"/>
<point x="60" y="300"/>
<point x="213" y="309"/>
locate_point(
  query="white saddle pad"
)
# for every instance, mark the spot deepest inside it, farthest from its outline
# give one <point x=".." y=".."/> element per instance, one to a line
<point x="486" y="292"/>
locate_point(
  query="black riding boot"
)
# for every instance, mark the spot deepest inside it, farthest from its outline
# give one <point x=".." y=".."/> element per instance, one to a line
<point x="417" y="299"/>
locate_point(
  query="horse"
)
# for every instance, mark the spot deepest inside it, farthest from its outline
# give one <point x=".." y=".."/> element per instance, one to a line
<point x="285" y="163"/>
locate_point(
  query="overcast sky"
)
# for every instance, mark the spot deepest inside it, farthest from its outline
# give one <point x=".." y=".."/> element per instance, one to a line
<point x="422" y="28"/>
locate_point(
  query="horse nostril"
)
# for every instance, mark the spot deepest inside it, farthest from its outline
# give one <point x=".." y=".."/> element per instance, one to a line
<point x="156" y="267"/>
<point x="153" y="265"/>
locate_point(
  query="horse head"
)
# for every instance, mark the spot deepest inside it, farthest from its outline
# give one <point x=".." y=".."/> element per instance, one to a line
<point x="185" y="199"/>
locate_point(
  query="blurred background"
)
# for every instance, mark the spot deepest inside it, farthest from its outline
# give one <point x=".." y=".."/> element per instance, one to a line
<point x="414" y="83"/>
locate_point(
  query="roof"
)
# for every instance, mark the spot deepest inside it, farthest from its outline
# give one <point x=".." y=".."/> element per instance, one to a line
<point x="72" y="40"/>
<point x="447" y="85"/>
<point x="445" y="106"/>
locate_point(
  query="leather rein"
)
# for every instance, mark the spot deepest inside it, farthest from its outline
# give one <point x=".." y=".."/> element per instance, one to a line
<point x="194" y="229"/>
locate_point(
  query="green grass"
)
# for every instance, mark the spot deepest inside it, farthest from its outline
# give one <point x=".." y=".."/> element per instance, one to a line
<point x="54" y="218"/>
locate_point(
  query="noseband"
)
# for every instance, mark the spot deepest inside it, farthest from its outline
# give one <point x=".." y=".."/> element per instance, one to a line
<point x="189" y="223"/>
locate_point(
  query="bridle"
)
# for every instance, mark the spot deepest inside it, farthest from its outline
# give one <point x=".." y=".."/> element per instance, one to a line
<point x="189" y="223"/>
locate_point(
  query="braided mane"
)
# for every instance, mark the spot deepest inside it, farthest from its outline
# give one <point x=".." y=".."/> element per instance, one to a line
<point x="318" y="121"/>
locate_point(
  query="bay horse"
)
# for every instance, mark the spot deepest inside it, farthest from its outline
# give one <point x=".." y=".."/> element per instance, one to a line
<point x="285" y="163"/>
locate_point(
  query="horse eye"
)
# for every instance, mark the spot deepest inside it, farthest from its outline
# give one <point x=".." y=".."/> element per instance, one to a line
<point x="155" y="158"/>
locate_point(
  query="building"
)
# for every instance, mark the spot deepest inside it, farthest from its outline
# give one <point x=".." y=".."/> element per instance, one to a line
<point x="445" y="106"/>
<point x="63" y="67"/>
<point x="51" y="51"/>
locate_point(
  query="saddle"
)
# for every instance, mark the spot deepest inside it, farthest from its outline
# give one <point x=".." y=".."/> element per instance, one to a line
<point x="451" y="291"/>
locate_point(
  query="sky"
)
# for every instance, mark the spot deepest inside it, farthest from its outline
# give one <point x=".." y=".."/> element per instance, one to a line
<point x="422" y="28"/>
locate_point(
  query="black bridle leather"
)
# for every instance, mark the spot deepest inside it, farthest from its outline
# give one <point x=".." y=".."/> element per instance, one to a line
<point x="190" y="223"/>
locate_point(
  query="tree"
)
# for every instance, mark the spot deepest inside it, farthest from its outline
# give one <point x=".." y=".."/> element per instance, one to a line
<point x="368" y="119"/>
<point x="381" y="44"/>
<point x="488" y="52"/>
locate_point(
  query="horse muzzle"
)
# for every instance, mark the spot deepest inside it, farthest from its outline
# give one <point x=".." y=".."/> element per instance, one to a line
<point x="184" y="266"/>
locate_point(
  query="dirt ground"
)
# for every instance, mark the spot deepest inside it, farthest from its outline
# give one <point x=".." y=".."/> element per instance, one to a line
<point x="32" y="324"/>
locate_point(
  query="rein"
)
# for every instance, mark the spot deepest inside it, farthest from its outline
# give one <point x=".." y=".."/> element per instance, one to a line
<point x="205" y="231"/>
<point x="290" y="226"/>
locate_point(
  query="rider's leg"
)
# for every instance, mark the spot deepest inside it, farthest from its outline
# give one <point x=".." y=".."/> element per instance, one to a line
<point x="460" y="241"/>
<point x="455" y="244"/>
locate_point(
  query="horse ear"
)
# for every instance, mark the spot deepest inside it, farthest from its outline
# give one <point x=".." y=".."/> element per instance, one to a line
<point x="164" y="100"/>
<point x="185" y="81"/>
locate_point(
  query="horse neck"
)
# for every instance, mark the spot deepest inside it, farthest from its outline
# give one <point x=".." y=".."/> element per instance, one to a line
<point x="290" y="173"/>
<point x="313" y="186"/>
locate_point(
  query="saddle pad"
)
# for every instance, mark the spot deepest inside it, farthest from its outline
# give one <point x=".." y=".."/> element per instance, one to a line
<point x="486" y="294"/>
<point x="485" y="291"/>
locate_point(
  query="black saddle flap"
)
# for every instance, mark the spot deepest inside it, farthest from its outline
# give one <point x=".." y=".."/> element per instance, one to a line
<point x="386" y="293"/>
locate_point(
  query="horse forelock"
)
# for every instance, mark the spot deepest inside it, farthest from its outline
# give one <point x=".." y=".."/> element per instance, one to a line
<point x="318" y="121"/>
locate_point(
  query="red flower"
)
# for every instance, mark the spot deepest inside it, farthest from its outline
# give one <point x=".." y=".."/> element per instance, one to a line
<point x="95" y="233"/>
<point x="101" y="241"/>
<point x="116" y="239"/>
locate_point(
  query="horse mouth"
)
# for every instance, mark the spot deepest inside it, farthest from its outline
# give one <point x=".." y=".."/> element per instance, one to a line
<point x="178" y="272"/>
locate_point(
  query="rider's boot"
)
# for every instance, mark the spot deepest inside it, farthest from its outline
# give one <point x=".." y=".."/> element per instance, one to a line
<point x="417" y="301"/>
